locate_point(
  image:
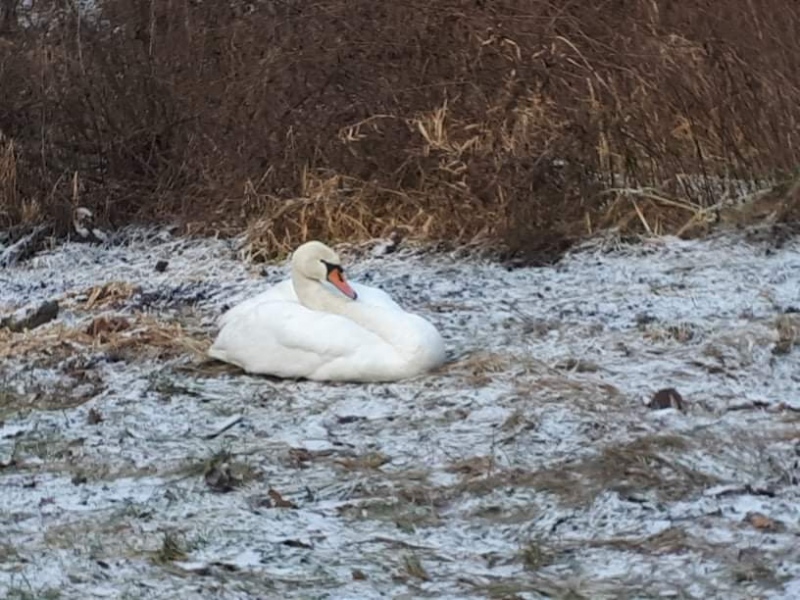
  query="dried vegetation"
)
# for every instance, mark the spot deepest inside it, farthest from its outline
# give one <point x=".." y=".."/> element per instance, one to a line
<point x="98" y="328"/>
<point x="530" y="123"/>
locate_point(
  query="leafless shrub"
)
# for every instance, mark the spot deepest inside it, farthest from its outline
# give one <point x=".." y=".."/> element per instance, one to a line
<point x="531" y="123"/>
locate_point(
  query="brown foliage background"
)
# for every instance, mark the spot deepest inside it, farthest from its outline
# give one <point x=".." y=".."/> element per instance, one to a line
<point x="512" y="120"/>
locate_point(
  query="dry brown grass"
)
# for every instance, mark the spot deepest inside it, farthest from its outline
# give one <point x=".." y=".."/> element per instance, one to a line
<point x="412" y="567"/>
<point x="141" y="335"/>
<point x="481" y="368"/>
<point x="335" y="207"/>
<point x="8" y="173"/>
<point x="644" y="466"/>
<point x="530" y="124"/>
<point x="100" y="328"/>
<point x="370" y="461"/>
<point x="669" y="541"/>
<point x="39" y="396"/>
<point x="647" y="465"/>
<point x="788" y="327"/>
<point x="107" y="295"/>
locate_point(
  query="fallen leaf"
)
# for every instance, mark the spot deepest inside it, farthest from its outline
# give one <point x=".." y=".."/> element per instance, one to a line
<point x="667" y="398"/>
<point x="94" y="417"/>
<point x="763" y="522"/>
<point x="279" y="501"/>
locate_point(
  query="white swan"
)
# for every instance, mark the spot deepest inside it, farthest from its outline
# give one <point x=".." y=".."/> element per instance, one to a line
<point x="317" y="326"/>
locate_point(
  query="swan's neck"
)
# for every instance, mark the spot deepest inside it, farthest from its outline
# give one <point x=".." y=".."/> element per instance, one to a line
<point x="313" y="295"/>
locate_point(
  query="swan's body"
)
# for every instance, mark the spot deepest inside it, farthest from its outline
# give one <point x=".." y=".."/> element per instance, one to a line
<point x="304" y="328"/>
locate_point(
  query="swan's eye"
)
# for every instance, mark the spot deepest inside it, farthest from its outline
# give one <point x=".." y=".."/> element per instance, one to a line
<point x="330" y="267"/>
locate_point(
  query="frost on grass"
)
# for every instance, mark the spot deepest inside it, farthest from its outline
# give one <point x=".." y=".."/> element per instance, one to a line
<point x="528" y="467"/>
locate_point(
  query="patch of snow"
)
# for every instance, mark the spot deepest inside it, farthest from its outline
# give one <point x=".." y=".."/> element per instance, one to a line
<point x="530" y="461"/>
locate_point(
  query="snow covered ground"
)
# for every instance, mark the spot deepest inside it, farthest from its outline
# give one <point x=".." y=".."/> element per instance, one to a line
<point x="529" y="467"/>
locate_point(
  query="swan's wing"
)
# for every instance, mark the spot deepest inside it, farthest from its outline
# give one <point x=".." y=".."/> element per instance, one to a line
<point x="374" y="297"/>
<point x="288" y="340"/>
<point x="324" y="335"/>
<point x="280" y="292"/>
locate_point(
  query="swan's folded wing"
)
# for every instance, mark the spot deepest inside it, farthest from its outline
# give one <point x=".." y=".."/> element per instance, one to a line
<point x="324" y="336"/>
<point x="288" y="340"/>
<point x="280" y="292"/>
<point x="375" y="297"/>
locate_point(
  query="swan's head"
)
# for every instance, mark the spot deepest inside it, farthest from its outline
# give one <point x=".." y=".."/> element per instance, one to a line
<point x="316" y="261"/>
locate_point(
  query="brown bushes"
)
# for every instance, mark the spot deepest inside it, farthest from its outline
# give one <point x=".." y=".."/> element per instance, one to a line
<point x="453" y="119"/>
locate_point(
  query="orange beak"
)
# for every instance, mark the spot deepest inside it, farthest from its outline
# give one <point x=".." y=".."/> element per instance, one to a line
<point x="336" y="277"/>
